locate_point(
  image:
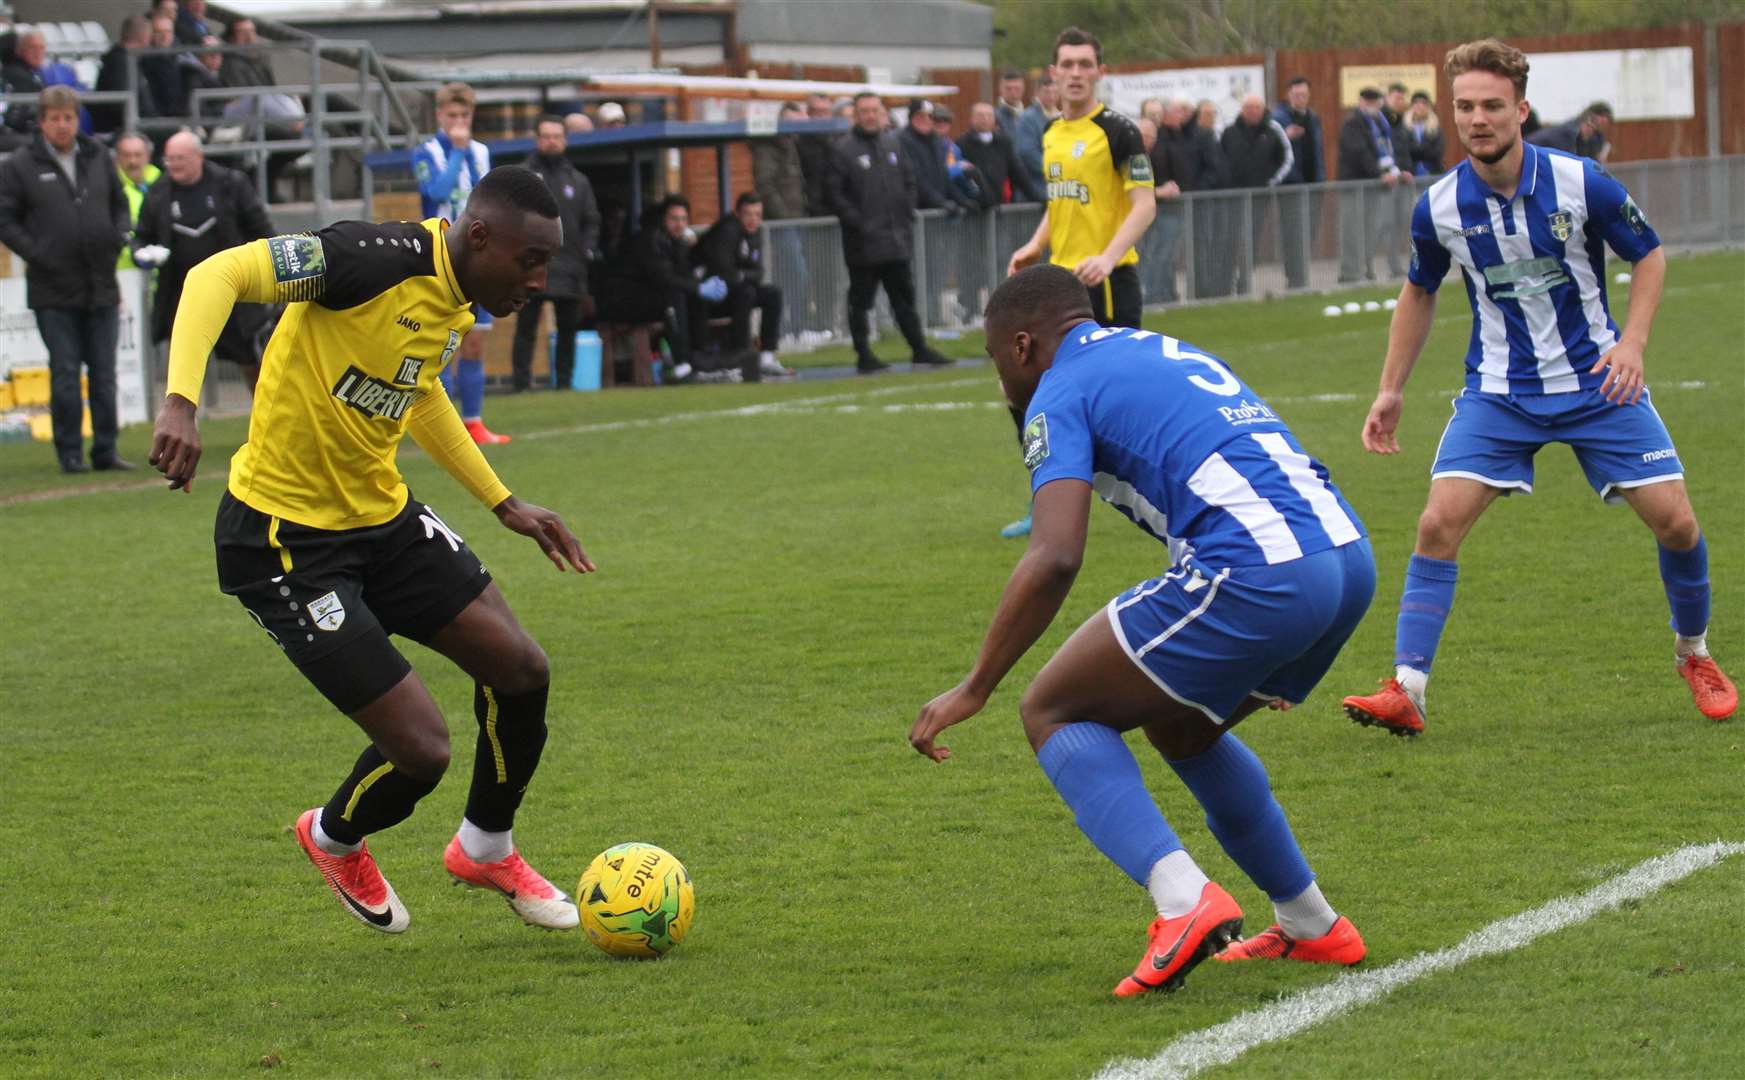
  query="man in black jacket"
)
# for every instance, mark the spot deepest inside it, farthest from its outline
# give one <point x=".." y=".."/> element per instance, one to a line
<point x="195" y="211"/>
<point x="992" y="153"/>
<point x="651" y="280"/>
<point x="872" y="193"/>
<point x="135" y="33"/>
<point x="1365" y="153"/>
<point x="1185" y="158"/>
<point x="63" y="212"/>
<point x="1259" y="155"/>
<point x="732" y="250"/>
<point x="566" y="275"/>
<point x="933" y="187"/>
<point x="1299" y="211"/>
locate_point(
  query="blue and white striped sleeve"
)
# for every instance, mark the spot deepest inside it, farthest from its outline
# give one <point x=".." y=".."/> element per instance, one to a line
<point x="1614" y="215"/>
<point x="1429" y="258"/>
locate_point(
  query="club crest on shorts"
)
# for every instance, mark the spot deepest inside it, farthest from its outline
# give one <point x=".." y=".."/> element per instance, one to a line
<point x="328" y="612"/>
<point x="1562" y="224"/>
<point x="1036" y="441"/>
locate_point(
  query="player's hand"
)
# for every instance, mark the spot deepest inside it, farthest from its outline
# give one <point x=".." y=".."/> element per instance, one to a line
<point x="547" y="530"/>
<point x="1379" y="426"/>
<point x="460" y="135"/>
<point x="1623" y="383"/>
<point x="1094" y="269"/>
<point x="1294" y="131"/>
<point x="175" y="442"/>
<point x="952" y="707"/>
<point x="1023" y="257"/>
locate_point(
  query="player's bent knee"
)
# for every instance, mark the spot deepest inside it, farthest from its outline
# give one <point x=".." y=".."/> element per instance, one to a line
<point x="1679" y="531"/>
<point x="1040" y="720"/>
<point x="525" y="670"/>
<point x="424" y="757"/>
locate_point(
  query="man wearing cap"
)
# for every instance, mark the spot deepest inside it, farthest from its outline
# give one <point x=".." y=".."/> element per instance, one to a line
<point x="1366" y="152"/>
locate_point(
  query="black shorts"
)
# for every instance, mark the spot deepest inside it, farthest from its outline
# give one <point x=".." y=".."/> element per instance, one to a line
<point x="330" y="598"/>
<point x="1118" y="301"/>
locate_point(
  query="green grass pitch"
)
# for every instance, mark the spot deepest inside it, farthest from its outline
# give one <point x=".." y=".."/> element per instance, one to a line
<point x="787" y="573"/>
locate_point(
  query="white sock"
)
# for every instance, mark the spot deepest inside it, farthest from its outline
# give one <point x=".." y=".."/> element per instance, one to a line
<point x="1176" y="882"/>
<point x="329" y="844"/>
<point x="1413" y="682"/>
<point x="681" y="370"/>
<point x="1306" y="916"/>
<point x="766" y="357"/>
<point x="482" y="846"/>
<point x="1691" y="646"/>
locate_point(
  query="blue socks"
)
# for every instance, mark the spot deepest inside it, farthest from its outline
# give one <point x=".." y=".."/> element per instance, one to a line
<point x="1231" y="784"/>
<point x="465" y="382"/>
<point x="1423" y="610"/>
<point x="1094" y="772"/>
<point x="1686" y="577"/>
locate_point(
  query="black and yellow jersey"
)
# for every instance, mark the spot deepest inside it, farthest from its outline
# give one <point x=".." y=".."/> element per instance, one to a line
<point x="374" y="314"/>
<point x="1091" y="164"/>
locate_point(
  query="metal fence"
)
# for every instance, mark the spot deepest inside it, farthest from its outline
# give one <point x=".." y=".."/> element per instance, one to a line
<point x="1214" y="245"/>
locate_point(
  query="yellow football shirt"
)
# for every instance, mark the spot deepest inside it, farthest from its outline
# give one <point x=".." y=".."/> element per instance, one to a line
<point x="1091" y="164"/>
<point x="374" y="314"/>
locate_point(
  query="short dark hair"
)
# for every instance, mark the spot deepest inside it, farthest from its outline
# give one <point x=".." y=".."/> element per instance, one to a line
<point x="1038" y="293"/>
<point x="58" y="97"/>
<point x="746" y="198"/>
<point x="1422" y="96"/>
<point x="1045" y="79"/>
<point x="1072" y="35"/>
<point x="1598" y="108"/>
<point x="1298" y="80"/>
<point x="1011" y="73"/>
<point x="513" y="187"/>
<point x="547" y="118"/>
<point x="1400" y="86"/>
<point x="675" y="199"/>
<point x="230" y="27"/>
<point x="865" y="94"/>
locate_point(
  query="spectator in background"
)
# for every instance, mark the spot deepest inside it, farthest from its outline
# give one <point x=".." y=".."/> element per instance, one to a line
<point x="30" y="71"/>
<point x="991" y="152"/>
<point x="1366" y="152"/>
<point x="1299" y="211"/>
<point x="566" y="275"/>
<point x="1259" y="155"/>
<point x="162" y="73"/>
<point x="732" y="250"/>
<point x="446" y="166"/>
<point x="203" y="74"/>
<point x="1031" y="125"/>
<point x="934" y="190"/>
<point x="198" y="210"/>
<point x="609" y="115"/>
<point x="1395" y="106"/>
<point x="191" y="25"/>
<point x="251" y="68"/>
<point x="1585" y="135"/>
<point x="164" y="9"/>
<point x="1010" y="108"/>
<point x="651" y="282"/>
<point x="1206" y="117"/>
<point x="1184" y="159"/>
<point x="137" y="174"/>
<point x="963" y="181"/>
<point x="778" y="171"/>
<point x="134" y="34"/>
<point x="844" y="110"/>
<point x="63" y="212"/>
<point x="872" y="191"/>
<point x="577" y="123"/>
<point x="814" y="163"/>
<point x="1423" y="137"/>
<point x="1152" y="109"/>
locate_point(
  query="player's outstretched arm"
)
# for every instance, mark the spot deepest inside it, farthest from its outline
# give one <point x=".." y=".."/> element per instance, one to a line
<point x="1407" y="333"/>
<point x="1624" y="383"/>
<point x="1033" y="595"/>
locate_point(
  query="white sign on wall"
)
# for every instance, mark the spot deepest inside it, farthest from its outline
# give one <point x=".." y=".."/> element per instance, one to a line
<point x="1639" y="84"/>
<point x="21" y="345"/>
<point x="1225" y="86"/>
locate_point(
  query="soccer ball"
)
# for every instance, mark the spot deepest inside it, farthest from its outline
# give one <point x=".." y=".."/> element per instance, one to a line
<point x="636" y="900"/>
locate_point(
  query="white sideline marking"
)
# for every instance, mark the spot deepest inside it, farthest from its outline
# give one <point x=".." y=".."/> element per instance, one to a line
<point x="1224" y="1043"/>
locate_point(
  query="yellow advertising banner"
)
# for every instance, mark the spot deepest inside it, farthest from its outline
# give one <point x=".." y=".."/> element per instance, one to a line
<point x="1354" y="78"/>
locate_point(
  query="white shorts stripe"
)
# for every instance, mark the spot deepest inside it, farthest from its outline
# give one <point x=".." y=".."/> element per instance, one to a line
<point x="1211" y="594"/>
<point x="1127" y="647"/>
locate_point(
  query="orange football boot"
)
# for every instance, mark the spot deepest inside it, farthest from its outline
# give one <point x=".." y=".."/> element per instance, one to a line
<point x="1390" y="707"/>
<point x="1340" y="945"/>
<point x="483" y="435"/>
<point x="1713" y="692"/>
<point x="1178" y="944"/>
<point x="536" y="900"/>
<point x="362" y="890"/>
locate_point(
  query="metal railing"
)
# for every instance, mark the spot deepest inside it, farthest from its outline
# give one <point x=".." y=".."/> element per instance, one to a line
<point x="1215" y="245"/>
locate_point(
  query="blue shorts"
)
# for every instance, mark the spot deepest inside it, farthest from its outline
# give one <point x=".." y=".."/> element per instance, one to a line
<point x="1492" y="439"/>
<point x="1211" y="639"/>
<point x="481" y="318"/>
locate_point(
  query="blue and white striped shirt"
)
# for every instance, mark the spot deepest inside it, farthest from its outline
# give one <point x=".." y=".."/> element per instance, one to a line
<point x="1534" y="265"/>
<point x="1173" y="439"/>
